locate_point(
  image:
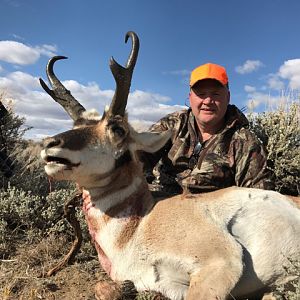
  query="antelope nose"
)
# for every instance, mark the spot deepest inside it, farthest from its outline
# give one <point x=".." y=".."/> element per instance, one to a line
<point x="51" y="142"/>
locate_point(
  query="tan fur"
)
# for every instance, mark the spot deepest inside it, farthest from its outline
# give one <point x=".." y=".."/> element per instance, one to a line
<point x="157" y="227"/>
<point x="194" y="247"/>
<point x="117" y="180"/>
<point x="136" y="212"/>
<point x="295" y="200"/>
<point x="127" y="232"/>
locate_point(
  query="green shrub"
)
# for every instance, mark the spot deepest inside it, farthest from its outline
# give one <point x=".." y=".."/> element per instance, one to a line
<point x="28" y="217"/>
<point x="280" y="132"/>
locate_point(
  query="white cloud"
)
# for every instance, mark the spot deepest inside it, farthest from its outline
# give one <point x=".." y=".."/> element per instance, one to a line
<point x="148" y="107"/>
<point x="178" y="72"/>
<point x="17" y="53"/>
<point x="252" y="104"/>
<point x="290" y="70"/>
<point x="184" y="74"/>
<point x="278" y="88"/>
<point x="275" y="83"/>
<point x="47" y="50"/>
<point x="21" y="54"/>
<point x="17" y="37"/>
<point x="267" y="101"/>
<point x="18" y="82"/>
<point x="249" y="66"/>
<point x="49" y="118"/>
<point x="249" y="88"/>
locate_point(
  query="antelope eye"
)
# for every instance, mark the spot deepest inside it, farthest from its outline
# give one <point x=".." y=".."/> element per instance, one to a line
<point x="118" y="130"/>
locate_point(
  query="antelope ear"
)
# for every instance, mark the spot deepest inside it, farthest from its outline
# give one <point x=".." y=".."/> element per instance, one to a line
<point x="150" y="141"/>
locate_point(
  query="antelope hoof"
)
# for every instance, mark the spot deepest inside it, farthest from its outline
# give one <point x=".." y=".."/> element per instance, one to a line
<point x="107" y="291"/>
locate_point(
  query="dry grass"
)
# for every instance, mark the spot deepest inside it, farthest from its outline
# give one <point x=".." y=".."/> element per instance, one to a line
<point x="22" y="276"/>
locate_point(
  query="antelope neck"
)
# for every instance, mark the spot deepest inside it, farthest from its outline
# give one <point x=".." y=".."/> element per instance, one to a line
<point x="124" y="186"/>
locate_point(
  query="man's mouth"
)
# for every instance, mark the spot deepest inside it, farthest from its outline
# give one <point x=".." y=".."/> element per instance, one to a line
<point x="207" y="109"/>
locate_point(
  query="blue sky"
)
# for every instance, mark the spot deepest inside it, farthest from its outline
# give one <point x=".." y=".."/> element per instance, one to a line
<point x="256" y="41"/>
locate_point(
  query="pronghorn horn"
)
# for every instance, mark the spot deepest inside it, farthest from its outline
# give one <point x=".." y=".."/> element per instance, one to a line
<point x="59" y="93"/>
<point x="123" y="77"/>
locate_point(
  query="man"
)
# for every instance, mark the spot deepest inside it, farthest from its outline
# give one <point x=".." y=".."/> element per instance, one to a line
<point x="211" y="146"/>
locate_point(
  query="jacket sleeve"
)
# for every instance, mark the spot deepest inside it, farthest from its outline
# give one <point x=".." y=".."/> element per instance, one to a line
<point x="251" y="168"/>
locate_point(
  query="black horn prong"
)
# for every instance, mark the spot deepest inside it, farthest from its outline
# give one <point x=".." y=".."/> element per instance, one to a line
<point x="45" y="87"/>
<point x="115" y="66"/>
<point x="59" y="93"/>
<point x="123" y="76"/>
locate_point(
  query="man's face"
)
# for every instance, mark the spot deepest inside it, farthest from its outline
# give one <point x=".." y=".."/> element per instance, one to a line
<point x="209" y="100"/>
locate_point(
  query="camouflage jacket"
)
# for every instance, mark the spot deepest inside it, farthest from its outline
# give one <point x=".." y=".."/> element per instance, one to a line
<point x="234" y="156"/>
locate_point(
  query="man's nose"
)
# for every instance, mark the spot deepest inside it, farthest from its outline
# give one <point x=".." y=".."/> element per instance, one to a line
<point x="207" y="99"/>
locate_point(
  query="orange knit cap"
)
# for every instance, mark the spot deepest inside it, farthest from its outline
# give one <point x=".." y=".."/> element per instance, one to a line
<point x="209" y="71"/>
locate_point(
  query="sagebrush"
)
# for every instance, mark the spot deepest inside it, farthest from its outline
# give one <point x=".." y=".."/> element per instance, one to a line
<point x="279" y="130"/>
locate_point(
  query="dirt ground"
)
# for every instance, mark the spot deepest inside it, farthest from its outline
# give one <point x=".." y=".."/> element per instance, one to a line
<point x="22" y="275"/>
<point x="73" y="282"/>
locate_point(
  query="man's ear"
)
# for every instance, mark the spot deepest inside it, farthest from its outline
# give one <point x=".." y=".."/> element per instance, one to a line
<point x="228" y="96"/>
<point x="150" y="141"/>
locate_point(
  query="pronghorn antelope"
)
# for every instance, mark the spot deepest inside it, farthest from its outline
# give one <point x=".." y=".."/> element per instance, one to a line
<point x="233" y="242"/>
